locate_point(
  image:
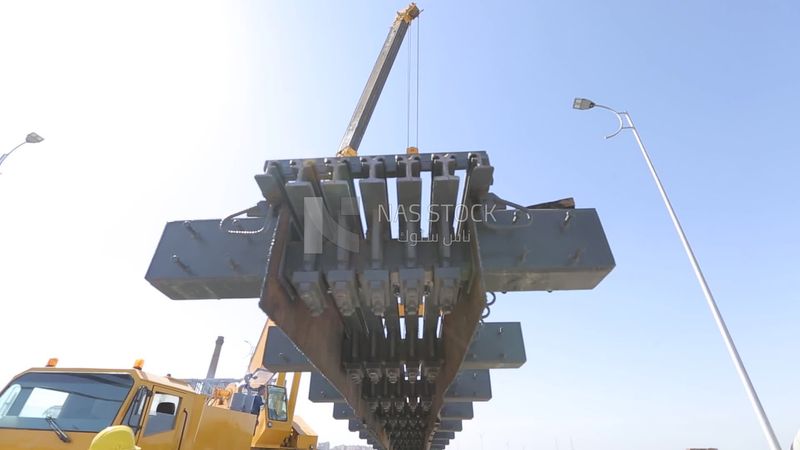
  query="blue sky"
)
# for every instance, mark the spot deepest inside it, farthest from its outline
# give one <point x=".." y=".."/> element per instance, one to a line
<point x="165" y="111"/>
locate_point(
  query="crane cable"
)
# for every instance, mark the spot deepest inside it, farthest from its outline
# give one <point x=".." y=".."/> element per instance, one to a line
<point x="416" y="94"/>
<point x="416" y="141"/>
<point x="408" y="97"/>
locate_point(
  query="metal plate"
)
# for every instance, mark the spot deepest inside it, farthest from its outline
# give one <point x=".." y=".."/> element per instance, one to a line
<point x="470" y="386"/>
<point x="281" y="355"/>
<point x="197" y="260"/>
<point x="444" y="435"/>
<point x="450" y="425"/>
<point x="462" y="411"/>
<point x="320" y="390"/>
<point x="355" y="425"/>
<point x="343" y="411"/>
<point x="496" y="345"/>
<point x="557" y="249"/>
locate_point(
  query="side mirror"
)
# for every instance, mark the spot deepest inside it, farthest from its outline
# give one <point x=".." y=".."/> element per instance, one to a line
<point x="117" y="437"/>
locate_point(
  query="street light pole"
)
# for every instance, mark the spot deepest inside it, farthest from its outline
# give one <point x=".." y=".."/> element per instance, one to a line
<point x="31" y="138"/>
<point x="626" y="123"/>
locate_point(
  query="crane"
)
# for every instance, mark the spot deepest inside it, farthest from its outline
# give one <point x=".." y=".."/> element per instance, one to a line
<point x="377" y="79"/>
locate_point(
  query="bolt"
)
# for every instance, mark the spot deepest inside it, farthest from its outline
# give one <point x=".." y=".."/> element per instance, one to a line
<point x="576" y="256"/>
<point x="177" y="260"/>
<point x="524" y="255"/>
<point x="190" y="229"/>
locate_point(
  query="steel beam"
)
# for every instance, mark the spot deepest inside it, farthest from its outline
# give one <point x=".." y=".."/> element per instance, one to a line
<point x="319" y="336"/>
<point x="456" y="411"/>
<point x="343" y="411"/>
<point x="354" y="425"/>
<point x="458" y="328"/>
<point x="470" y="386"/>
<point x="450" y="425"/>
<point x="496" y="345"/>
<point x="195" y="259"/>
<point x="281" y="355"/>
<point x="551" y="249"/>
<point x="320" y="390"/>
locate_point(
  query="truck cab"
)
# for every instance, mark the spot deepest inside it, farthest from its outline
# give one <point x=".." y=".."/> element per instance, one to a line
<point x="54" y="408"/>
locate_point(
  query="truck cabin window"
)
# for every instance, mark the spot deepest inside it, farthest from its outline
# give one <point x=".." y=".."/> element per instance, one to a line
<point x="276" y="403"/>
<point x="74" y="401"/>
<point x="163" y="413"/>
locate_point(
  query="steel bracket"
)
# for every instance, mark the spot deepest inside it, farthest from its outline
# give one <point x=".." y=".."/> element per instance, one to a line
<point x="195" y="259"/>
<point x="470" y="386"/>
<point x="281" y="355"/>
<point x="496" y="345"/>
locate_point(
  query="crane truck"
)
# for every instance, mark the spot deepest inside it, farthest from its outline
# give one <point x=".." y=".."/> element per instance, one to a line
<point x="51" y="407"/>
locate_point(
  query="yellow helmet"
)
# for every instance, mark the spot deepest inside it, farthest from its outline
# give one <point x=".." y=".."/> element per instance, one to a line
<point x="118" y="437"/>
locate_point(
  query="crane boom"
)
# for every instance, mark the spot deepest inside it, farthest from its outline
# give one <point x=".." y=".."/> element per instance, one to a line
<point x="372" y="91"/>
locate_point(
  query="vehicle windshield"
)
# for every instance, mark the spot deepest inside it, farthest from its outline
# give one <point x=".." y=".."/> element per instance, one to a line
<point x="77" y="401"/>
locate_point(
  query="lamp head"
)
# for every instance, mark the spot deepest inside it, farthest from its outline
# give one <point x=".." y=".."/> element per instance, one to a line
<point x="583" y="103"/>
<point x="33" y="138"/>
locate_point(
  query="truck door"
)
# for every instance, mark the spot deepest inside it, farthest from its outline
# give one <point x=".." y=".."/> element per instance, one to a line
<point x="164" y="421"/>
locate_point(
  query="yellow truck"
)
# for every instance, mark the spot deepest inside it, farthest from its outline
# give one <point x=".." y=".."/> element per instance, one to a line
<point x="52" y="408"/>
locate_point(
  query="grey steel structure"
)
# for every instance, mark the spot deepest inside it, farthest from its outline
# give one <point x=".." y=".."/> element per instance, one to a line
<point x="392" y="324"/>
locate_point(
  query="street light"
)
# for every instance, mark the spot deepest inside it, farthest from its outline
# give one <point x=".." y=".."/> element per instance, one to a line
<point x="31" y="138"/>
<point x="626" y="123"/>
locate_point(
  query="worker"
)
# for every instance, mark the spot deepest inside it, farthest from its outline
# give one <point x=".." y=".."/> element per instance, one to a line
<point x="258" y="402"/>
<point x="118" y="437"/>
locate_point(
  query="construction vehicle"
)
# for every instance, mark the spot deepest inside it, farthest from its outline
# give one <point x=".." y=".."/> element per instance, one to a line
<point x="52" y="408"/>
<point x="392" y="322"/>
